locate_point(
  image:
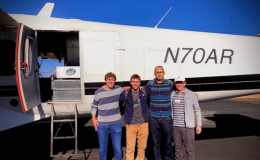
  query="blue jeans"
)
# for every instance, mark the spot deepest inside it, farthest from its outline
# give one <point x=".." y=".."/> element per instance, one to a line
<point x="161" y="127"/>
<point x="115" y="131"/>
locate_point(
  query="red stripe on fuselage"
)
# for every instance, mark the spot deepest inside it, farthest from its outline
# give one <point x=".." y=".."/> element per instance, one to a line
<point x="16" y="66"/>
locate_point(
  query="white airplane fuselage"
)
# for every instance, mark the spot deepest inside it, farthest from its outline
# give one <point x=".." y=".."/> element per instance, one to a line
<point x="216" y="66"/>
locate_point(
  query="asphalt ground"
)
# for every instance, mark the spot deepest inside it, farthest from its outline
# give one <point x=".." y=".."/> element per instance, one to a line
<point x="230" y="132"/>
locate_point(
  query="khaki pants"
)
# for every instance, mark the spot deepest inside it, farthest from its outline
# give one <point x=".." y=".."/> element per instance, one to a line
<point x="139" y="131"/>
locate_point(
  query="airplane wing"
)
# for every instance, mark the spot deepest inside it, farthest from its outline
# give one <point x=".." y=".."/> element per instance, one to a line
<point x="6" y="20"/>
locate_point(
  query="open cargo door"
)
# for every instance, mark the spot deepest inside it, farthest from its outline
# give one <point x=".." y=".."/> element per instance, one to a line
<point x="27" y="72"/>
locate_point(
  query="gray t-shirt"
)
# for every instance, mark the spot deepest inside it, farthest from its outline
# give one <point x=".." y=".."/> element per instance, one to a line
<point x="137" y="114"/>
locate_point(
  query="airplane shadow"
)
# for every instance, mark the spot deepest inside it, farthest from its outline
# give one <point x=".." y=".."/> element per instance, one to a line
<point x="32" y="141"/>
<point x="230" y="125"/>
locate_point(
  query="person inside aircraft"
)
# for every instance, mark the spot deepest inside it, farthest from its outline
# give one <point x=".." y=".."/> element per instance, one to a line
<point x="106" y="102"/>
<point x="184" y="104"/>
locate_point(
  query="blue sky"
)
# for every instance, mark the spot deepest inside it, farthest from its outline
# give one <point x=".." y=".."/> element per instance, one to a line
<point x="193" y="15"/>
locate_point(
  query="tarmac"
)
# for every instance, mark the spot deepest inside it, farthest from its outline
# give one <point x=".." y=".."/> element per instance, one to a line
<point x="230" y="132"/>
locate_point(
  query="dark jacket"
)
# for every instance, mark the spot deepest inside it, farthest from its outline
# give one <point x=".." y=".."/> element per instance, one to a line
<point x="129" y="105"/>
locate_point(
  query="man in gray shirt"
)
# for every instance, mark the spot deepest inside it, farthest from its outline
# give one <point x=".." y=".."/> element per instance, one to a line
<point x="136" y="118"/>
<point x="109" y="117"/>
<point x="184" y="104"/>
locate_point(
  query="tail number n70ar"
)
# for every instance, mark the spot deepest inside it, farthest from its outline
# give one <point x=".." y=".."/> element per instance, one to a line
<point x="198" y="58"/>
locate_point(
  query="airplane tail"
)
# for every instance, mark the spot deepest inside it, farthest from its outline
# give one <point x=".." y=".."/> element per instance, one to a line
<point x="46" y="10"/>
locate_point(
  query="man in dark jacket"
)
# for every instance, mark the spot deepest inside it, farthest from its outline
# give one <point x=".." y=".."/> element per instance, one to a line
<point x="136" y="118"/>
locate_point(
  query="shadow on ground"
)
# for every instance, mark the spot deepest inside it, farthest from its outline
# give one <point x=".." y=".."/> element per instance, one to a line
<point x="230" y="125"/>
<point x="32" y="141"/>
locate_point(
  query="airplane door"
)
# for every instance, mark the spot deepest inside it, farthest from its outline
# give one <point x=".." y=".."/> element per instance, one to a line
<point x="26" y="64"/>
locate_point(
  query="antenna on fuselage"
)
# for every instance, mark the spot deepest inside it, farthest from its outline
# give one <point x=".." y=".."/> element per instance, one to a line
<point x="258" y="35"/>
<point x="46" y="10"/>
<point x="163" y="17"/>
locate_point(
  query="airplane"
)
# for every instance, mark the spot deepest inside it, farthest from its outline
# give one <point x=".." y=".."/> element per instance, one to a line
<point x="216" y="66"/>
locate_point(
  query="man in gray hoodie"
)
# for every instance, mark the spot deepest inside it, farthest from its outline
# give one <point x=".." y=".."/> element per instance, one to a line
<point x="184" y="105"/>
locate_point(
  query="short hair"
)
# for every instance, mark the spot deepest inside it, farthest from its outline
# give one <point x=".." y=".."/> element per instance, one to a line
<point x="157" y="67"/>
<point x="135" y="76"/>
<point x="110" y="74"/>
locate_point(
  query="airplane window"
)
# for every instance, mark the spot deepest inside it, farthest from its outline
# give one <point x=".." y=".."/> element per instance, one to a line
<point x="28" y="64"/>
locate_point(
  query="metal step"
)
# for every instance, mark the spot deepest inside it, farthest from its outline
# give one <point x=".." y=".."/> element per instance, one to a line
<point x="64" y="120"/>
<point x="66" y="90"/>
<point x="65" y="84"/>
<point x="75" y="132"/>
<point x="59" y="95"/>
<point x="66" y="137"/>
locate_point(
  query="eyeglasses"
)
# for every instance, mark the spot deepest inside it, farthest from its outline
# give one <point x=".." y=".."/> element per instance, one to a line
<point x="159" y="72"/>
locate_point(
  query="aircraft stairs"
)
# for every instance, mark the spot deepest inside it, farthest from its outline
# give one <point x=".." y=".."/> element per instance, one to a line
<point x="62" y="121"/>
